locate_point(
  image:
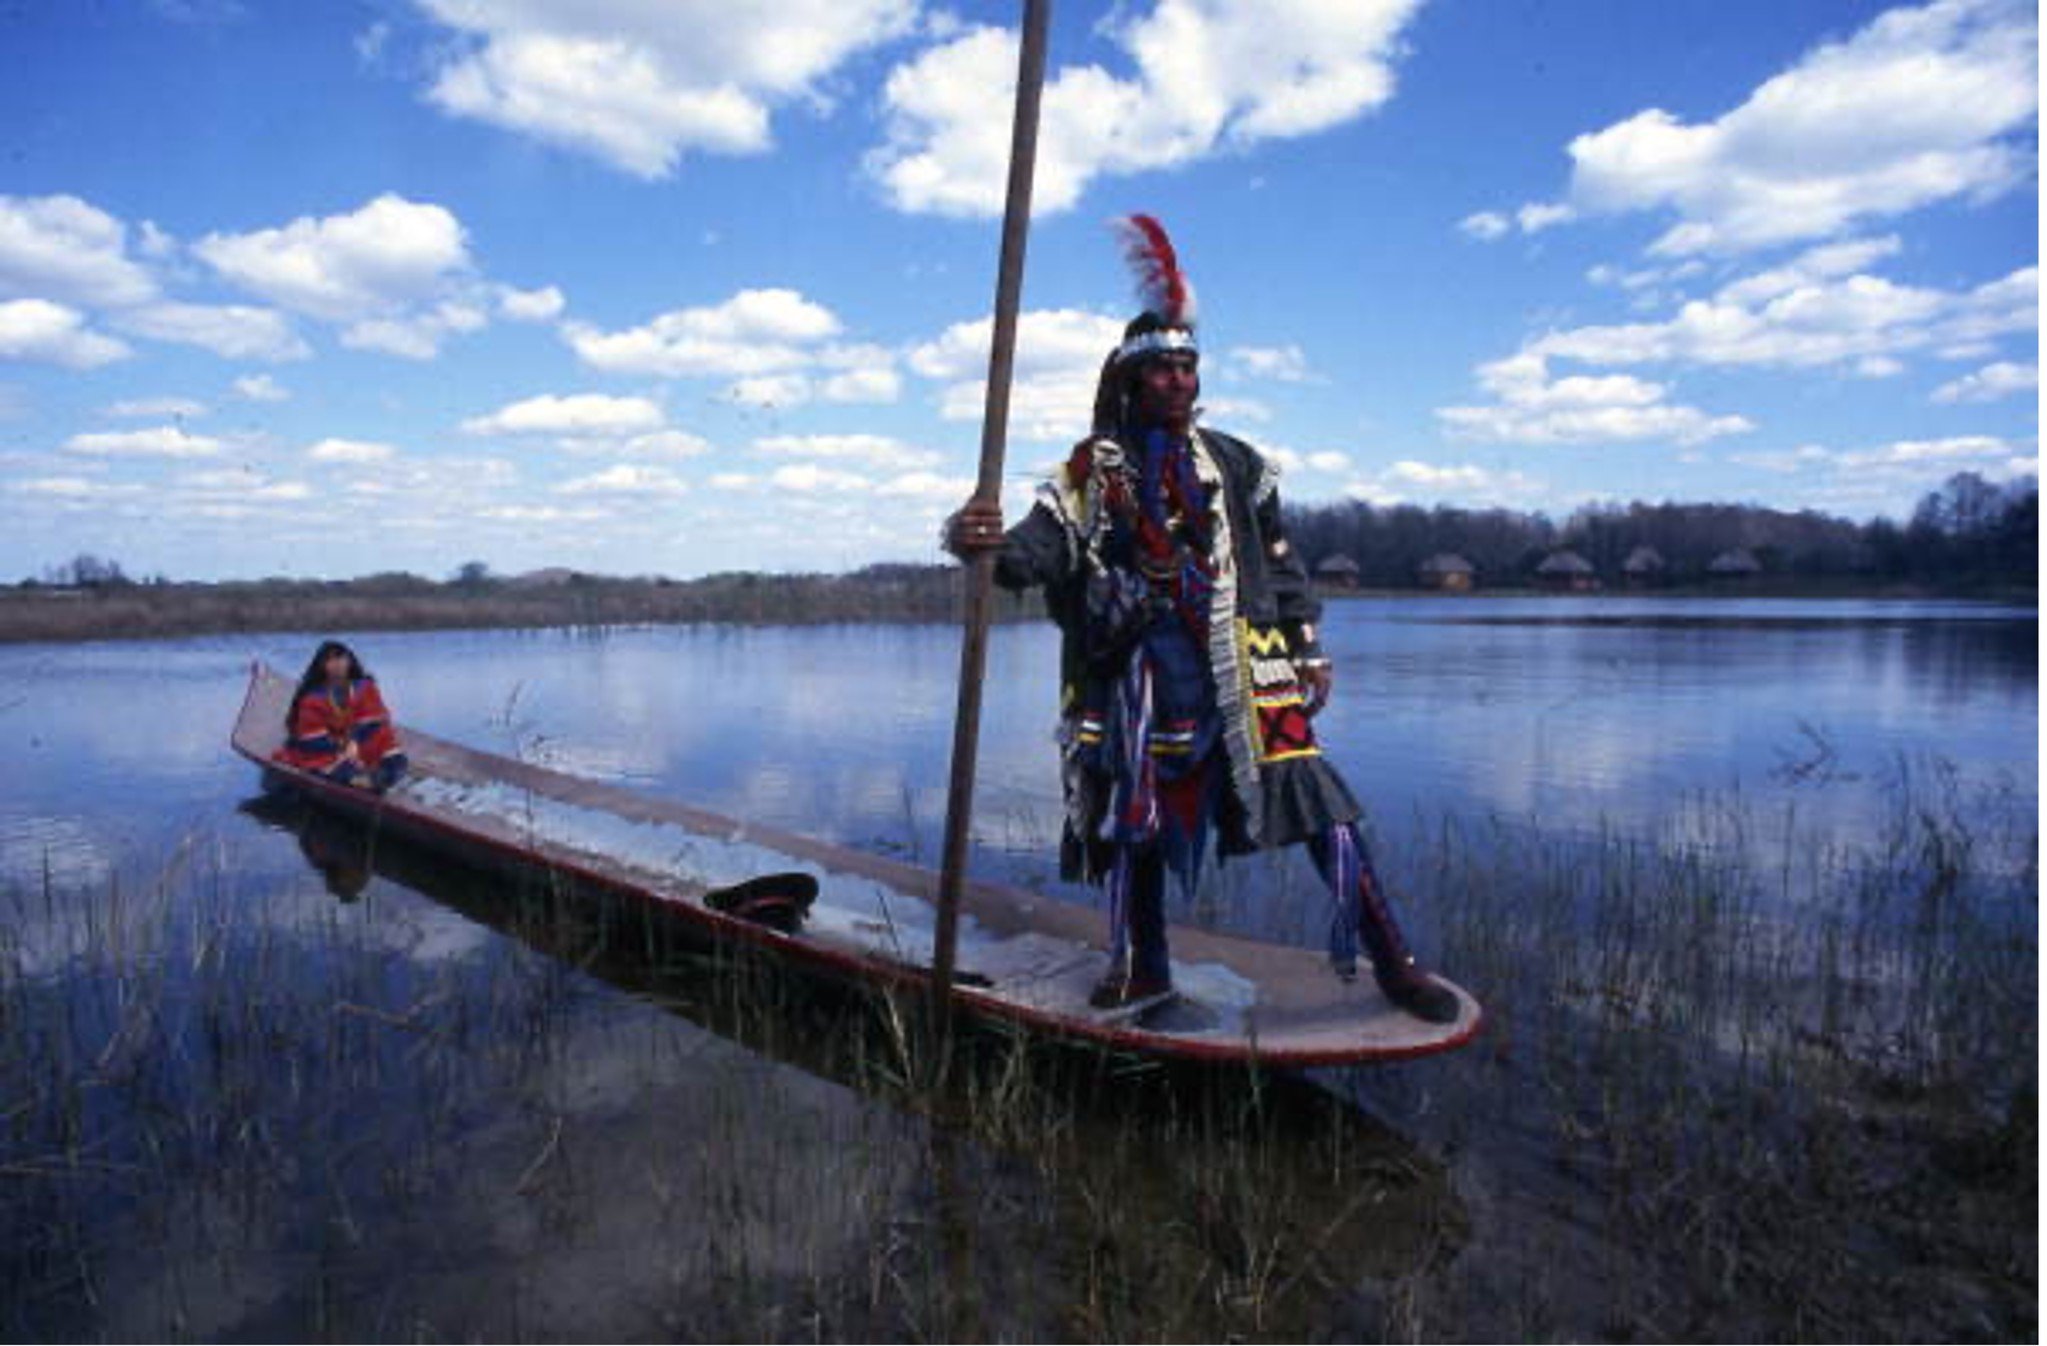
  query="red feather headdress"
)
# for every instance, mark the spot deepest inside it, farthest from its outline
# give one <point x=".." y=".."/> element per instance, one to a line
<point x="1162" y="287"/>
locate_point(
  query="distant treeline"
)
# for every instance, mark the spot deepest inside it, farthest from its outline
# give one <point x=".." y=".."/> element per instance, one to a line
<point x="1967" y="535"/>
<point x="108" y="605"/>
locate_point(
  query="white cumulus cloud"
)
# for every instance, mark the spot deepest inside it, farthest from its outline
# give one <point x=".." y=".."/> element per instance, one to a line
<point x="62" y="248"/>
<point x="1532" y="407"/>
<point x="163" y="441"/>
<point x="927" y="486"/>
<point x="577" y="414"/>
<point x="384" y="257"/>
<point x="858" y="373"/>
<point x="1059" y="356"/>
<point x="231" y="492"/>
<point x="630" y="479"/>
<point x="640" y="83"/>
<point x="70" y="488"/>
<point x="1950" y="454"/>
<point x="417" y="335"/>
<point x="1283" y="364"/>
<point x="1990" y="383"/>
<point x="1235" y="409"/>
<point x="1291" y="460"/>
<point x="531" y="514"/>
<point x="874" y="451"/>
<point x="1886" y="478"/>
<point x="38" y="330"/>
<point x="542" y="305"/>
<point x="234" y="331"/>
<point x="651" y="445"/>
<point x="1486" y="225"/>
<point x="861" y="385"/>
<point x="151" y="408"/>
<point x="1203" y="76"/>
<point x="1459" y="483"/>
<point x="772" y="391"/>
<point x="1801" y="316"/>
<point x="754" y="332"/>
<point x="1924" y="104"/>
<point x="260" y="388"/>
<point x="810" y="478"/>
<point x="1537" y="216"/>
<point x="351" y="451"/>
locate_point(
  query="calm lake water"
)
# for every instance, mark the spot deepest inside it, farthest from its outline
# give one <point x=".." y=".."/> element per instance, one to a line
<point x="1608" y="715"/>
<point x="254" y="1111"/>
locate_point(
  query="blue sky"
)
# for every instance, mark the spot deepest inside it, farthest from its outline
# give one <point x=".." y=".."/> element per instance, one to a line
<point x="675" y="286"/>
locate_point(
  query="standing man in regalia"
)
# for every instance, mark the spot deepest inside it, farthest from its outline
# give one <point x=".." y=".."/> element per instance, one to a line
<point x="1190" y="667"/>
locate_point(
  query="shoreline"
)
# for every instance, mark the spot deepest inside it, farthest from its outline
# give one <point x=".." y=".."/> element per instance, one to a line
<point x="155" y="611"/>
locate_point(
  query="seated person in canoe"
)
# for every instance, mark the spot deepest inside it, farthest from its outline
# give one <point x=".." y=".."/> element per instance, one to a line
<point x="1190" y="665"/>
<point x="337" y="726"/>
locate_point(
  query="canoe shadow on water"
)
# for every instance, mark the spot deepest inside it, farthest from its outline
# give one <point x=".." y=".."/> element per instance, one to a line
<point x="1059" y="1189"/>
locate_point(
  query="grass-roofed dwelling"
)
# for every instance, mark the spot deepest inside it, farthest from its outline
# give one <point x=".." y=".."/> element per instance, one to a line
<point x="1734" y="566"/>
<point x="1448" y="572"/>
<point x="1644" y="567"/>
<point x="1566" y="571"/>
<point x="1337" y="571"/>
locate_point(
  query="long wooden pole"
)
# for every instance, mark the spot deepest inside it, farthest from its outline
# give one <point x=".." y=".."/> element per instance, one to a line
<point x="966" y="734"/>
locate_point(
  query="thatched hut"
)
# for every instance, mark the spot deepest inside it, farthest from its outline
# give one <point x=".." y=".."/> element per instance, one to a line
<point x="1645" y="566"/>
<point x="1738" y="563"/>
<point x="1566" y="570"/>
<point x="1337" y="572"/>
<point x="1449" y="572"/>
<point x="546" y="578"/>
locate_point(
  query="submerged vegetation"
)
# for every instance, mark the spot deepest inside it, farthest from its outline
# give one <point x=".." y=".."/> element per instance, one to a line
<point x="1729" y="1090"/>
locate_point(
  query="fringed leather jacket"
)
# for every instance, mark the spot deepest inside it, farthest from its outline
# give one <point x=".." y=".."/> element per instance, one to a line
<point x="1259" y="621"/>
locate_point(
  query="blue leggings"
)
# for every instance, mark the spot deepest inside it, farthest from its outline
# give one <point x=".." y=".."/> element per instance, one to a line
<point x="1137" y="901"/>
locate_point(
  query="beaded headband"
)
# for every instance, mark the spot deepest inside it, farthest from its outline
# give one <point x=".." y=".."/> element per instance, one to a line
<point x="1159" y="341"/>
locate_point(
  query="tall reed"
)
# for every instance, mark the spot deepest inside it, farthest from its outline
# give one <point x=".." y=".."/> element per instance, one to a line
<point x="1730" y="1088"/>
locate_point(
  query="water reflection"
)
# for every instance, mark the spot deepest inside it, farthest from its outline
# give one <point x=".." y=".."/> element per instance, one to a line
<point x="339" y="854"/>
<point x="1031" y="1165"/>
<point x="1608" y="715"/>
<point x="243" y="1106"/>
<point x="1586" y="715"/>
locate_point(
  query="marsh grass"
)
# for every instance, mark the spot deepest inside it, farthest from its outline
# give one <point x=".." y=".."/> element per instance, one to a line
<point x="244" y="1108"/>
<point x="1761" y="1095"/>
<point x="1725" y="1092"/>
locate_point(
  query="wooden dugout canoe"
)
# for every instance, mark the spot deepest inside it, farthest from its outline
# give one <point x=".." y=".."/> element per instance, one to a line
<point x="1025" y="959"/>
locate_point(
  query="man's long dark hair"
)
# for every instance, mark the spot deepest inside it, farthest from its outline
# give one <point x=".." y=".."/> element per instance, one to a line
<point x="1117" y="384"/>
<point x="316" y="674"/>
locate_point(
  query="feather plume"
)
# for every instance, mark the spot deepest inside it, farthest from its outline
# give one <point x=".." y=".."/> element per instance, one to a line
<point x="1162" y="287"/>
